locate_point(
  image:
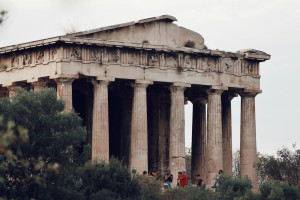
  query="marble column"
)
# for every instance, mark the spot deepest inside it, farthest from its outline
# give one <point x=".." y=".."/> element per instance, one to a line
<point x="41" y="84"/>
<point x="248" y="138"/>
<point x="177" y="134"/>
<point x="12" y="90"/>
<point x="64" y="91"/>
<point x="199" y="139"/>
<point x="227" y="133"/>
<point x="100" y="129"/>
<point x="214" y="135"/>
<point x="164" y="133"/>
<point x="139" y="129"/>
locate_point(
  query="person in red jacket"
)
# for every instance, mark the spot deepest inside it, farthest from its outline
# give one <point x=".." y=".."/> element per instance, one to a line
<point x="183" y="179"/>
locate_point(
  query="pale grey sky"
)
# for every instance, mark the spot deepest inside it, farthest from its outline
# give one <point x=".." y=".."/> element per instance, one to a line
<point x="272" y="26"/>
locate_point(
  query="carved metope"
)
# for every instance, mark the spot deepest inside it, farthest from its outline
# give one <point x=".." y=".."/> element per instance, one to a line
<point x="197" y="62"/>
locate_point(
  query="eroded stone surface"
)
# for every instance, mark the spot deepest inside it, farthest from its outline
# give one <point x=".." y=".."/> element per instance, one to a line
<point x="150" y="51"/>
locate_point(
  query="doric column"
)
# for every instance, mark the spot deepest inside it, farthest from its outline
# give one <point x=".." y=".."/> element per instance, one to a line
<point x="227" y="133"/>
<point x="177" y="134"/>
<point x="64" y="91"/>
<point x="248" y="138"/>
<point x="12" y="90"/>
<point x="100" y="130"/>
<point x="199" y="139"/>
<point x="214" y="135"/>
<point x="41" y="84"/>
<point x="139" y="129"/>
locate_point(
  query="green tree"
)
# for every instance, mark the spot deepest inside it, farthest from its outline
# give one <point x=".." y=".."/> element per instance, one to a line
<point x="284" y="167"/>
<point x="3" y="14"/>
<point x="12" y="137"/>
<point x="54" y="139"/>
<point x="188" y="162"/>
<point x="236" y="164"/>
<point x="111" y="180"/>
<point x="276" y="190"/>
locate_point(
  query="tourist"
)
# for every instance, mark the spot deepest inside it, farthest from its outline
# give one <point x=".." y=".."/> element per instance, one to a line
<point x="216" y="185"/>
<point x="178" y="178"/>
<point x="169" y="179"/>
<point x="154" y="172"/>
<point x="183" y="179"/>
<point x="200" y="180"/>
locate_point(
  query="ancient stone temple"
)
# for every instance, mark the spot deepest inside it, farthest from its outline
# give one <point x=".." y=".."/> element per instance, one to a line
<point x="129" y="83"/>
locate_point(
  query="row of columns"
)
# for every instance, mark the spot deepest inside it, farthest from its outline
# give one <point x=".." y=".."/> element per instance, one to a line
<point x="211" y="150"/>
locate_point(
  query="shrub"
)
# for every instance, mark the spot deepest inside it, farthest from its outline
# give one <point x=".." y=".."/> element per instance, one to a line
<point x="112" y="180"/>
<point x="177" y="193"/>
<point x="190" y="44"/>
<point x="53" y="148"/>
<point x="150" y="188"/>
<point x="231" y="187"/>
<point x="276" y="190"/>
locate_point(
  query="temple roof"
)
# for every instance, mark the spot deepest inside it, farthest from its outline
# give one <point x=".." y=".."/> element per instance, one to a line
<point x="166" y="18"/>
<point x="156" y="33"/>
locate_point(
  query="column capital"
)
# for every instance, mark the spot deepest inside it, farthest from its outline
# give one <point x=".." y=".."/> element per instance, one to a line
<point x="40" y="83"/>
<point x="13" y="87"/>
<point x="214" y="91"/>
<point x="141" y="83"/>
<point x="199" y="100"/>
<point x="248" y="94"/>
<point x="100" y="82"/>
<point x="178" y="87"/>
<point x="229" y="96"/>
<point x="174" y="89"/>
<point x="64" y="80"/>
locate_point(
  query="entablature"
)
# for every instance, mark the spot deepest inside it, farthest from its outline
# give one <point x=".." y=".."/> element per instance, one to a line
<point x="65" y="55"/>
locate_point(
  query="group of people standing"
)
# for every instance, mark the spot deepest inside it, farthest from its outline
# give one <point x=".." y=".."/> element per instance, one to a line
<point x="182" y="179"/>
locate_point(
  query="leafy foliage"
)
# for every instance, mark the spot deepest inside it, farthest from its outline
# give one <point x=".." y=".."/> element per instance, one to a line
<point x="3" y="14"/>
<point x="112" y="180"/>
<point x="284" y="167"/>
<point x="150" y="188"/>
<point x="41" y="157"/>
<point x="236" y="163"/>
<point x="14" y="167"/>
<point x="276" y="190"/>
<point x="235" y="188"/>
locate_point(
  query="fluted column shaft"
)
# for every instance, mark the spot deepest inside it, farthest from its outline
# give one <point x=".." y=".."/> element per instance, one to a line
<point x="199" y="139"/>
<point x="214" y="135"/>
<point x="100" y="129"/>
<point x="177" y="134"/>
<point x="248" y="138"/>
<point x="139" y="130"/>
<point x="227" y="134"/>
<point x="64" y="91"/>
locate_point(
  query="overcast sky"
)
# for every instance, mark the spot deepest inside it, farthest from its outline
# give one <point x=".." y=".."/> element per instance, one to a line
<point x="272" y="26"/>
